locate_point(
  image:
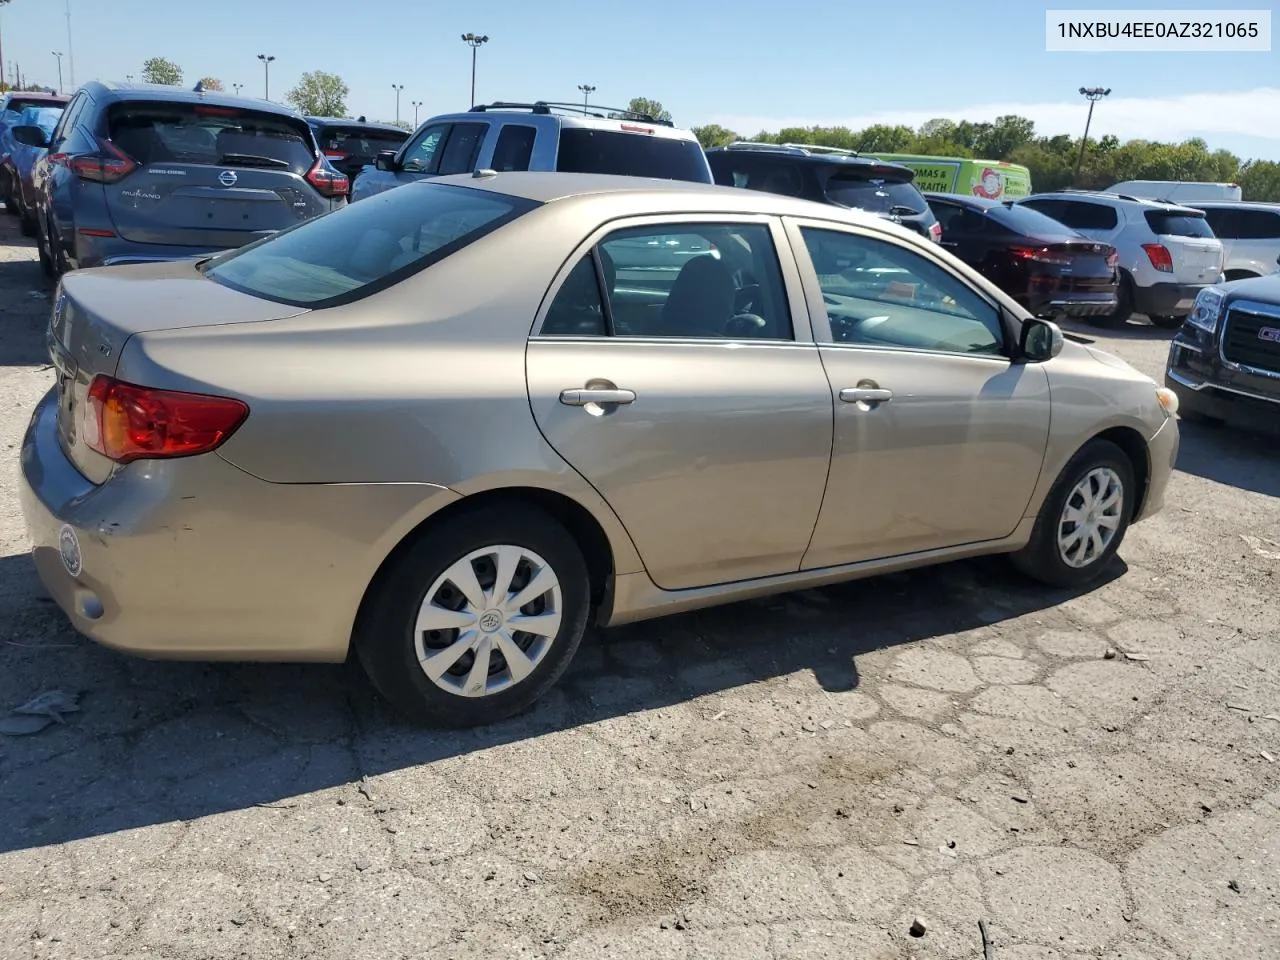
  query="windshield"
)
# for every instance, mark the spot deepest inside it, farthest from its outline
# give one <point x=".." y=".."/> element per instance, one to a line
<point x="46" y="118"/>
<point x="1028" y="222"/>
<point x="365" y="247"/>
<point x="588" y="150"/>
<point x="1178" y="224"/>
<point x="153" y="132"/>
<point x="897" y="197"/>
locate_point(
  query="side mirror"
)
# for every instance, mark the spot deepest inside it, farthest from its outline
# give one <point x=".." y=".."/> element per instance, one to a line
<point x="31" y="135"/>
<point x="1040" y="340"/>
<point x="386" y="161"/>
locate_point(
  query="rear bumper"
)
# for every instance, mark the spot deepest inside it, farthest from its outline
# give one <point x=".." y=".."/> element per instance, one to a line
<point x="194" y="559"/>
<point x="91" y="251"/>
<point x="1075" y="305"/>
<point x="1166" y="299"/>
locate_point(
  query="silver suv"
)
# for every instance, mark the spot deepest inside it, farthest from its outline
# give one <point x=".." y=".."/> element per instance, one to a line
<point x="1168" y="253"/>
<point x="564" y="137"/>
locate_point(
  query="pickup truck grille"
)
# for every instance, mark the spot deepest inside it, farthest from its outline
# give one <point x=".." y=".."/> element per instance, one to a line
<point x="1252" y="339"/>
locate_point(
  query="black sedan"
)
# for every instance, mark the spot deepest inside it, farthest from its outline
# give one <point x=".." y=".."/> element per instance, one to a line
<point x="1047" y="267"/>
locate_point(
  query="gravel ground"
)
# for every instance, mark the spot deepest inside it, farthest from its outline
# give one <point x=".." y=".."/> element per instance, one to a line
<point x="801" y="777"/>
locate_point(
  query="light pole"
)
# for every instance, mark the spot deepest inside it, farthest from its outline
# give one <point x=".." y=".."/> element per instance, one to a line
<point x="397" y="87"/>
<point x="587" y="90"/>
<point x="474" y="42"/>
<point x="416" y="105"/>
<point x="71" y="56"/>
<point x="128" y="77"/>
<point x="237" y="87"/>
<point x="266" y="75"/>
<point x="59" y="56"/>
<point x="1093" y="95"/>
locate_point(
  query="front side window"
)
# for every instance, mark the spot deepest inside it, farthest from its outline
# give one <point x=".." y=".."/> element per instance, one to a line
<point x="879" y="294"/>
<point x="716" y="281"/>
<point x="423" y="155"/>
<point x="366" y="246"/>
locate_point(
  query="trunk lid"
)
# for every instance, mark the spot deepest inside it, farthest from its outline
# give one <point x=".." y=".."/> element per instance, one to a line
<point x="1087" y="264"/>
<point x="1196" y="253"/>
<point x="208" y="176"/>
<point x="96" y="312"/>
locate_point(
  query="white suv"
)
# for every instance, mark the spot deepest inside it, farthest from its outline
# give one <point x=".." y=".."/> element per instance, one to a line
<point x="1250" y="235"/>
<point x="1168" y="253"/>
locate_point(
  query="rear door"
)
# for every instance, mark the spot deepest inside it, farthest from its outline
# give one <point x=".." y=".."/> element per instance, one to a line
<point x="1195" y="251"/>
<point x="208" y="176"/>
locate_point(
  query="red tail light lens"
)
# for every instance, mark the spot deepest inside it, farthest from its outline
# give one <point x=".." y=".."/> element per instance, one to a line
<point x="335" y="154"/>
<point x="126" y="422"/>
<point x="109" y="165"/>
<point x="1042" y="255"/>
<point x="328" y="182"/>
<point x="1159" y="256"/>
<point x="935" y="232"/>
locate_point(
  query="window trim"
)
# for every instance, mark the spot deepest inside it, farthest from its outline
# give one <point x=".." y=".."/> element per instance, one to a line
<point x="801" y="328"/>
<point x="416" y="137"/>
<point x="1010" y="321"/>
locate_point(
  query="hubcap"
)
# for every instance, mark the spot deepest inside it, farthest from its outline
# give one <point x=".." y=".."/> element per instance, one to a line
<point x="1091" y="517"/>
<point x="488" y="621"/>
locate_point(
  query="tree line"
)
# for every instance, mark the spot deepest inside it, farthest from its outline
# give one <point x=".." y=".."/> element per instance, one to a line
<point x="1051" y="160"/>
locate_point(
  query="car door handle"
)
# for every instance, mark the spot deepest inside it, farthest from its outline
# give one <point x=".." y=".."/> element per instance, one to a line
<point x="865" y="395"/>
<point x="580" y="398"/>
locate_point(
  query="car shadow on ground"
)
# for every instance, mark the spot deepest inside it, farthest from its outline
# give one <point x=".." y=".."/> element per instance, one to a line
<point x="25" y="288"/>
<point x="1235" y="455"/>
<point x="159" y="742"/>
<point x="1136" y="328"/>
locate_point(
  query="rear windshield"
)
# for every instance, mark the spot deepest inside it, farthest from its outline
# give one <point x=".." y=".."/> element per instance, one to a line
<point x="360" y="141"/>
<point x="586" y="150"/>
<point x="16" y="104"/>
<point x="46" y="118"/>
<point x="1028" y="222"/>
<point x="366" y="246"/>
<point x="897" y="197"/>
<point x="1178" y="224"/>
<point x="216" y="136"/>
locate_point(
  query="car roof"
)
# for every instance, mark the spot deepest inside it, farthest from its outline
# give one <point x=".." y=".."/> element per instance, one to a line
<point x="981" y="203"/>
<point x="1116" y="198"/>
<point x="674" y="195"/>
<point x="37" y="96"/>
<point x="566" y="115"/>
<point x="113" y="90"/>
<point x="815" y="155"/>
<point x="1269" y="207"/>
<point x="349" y="122"/>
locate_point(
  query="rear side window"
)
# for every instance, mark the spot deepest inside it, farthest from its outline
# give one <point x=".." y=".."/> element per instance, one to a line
<point x="1087" y="216"/>
<point x="180" y="133"/>
<point x="1177" y="224"/>
<point x="1258" y="225"/>
<point x="514" y="149"/>
<point x="897" y="197"/>
<point x="461" y="148"/>
<point x="365" y="247"/>
<point x="588" y="150"/>
<point x="1223" y="222"/>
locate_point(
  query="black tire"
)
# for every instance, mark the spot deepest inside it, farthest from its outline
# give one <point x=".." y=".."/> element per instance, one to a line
<point x="1041" y="558"/>
<point x="42" y="248"/>
<point x="1166" y="323"/>
<point x="1124" y="306"/>
<point x="27" y="224"/>
<point x="6" y="193"/>
<point x="384" y="636"/>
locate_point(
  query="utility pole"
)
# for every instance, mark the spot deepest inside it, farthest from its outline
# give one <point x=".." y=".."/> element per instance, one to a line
<point x="587" y="90"/>
<point x="1093" y="95"/>
<point x="474" y="42"/>
<point x="397" y="87"/>
<point x="266" y="75"/>
<point x="416" y="105"/>
<point x="71" y="57"/>
<point x="59" y="56"/>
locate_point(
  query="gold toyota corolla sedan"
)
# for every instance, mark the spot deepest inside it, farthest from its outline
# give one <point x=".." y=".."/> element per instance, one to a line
<point x="453" y="424"/>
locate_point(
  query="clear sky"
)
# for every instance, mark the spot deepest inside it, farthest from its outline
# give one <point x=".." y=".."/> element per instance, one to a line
<point x="748" y="64"/>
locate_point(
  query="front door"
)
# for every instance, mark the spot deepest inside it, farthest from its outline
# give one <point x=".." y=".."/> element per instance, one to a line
<point x="939" y="436"/>
<point x="674" y="369"/>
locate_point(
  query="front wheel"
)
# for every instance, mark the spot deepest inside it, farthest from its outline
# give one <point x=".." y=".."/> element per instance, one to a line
<point x="477" y="619"/>
<point x="1083" y="519"/>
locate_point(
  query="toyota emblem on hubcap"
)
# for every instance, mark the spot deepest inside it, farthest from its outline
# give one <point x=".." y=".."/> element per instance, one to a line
<point x="490" y="621"/>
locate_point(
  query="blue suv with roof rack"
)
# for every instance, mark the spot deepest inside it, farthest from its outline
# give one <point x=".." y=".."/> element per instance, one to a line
<point x="565" y="137"/>
<point x="827" y="175"/>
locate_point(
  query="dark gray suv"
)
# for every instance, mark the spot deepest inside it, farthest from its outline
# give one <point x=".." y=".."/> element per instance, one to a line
<point x="138" y="172"/>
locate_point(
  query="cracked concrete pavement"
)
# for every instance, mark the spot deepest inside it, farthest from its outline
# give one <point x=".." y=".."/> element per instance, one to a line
<point x="799" y="777"/>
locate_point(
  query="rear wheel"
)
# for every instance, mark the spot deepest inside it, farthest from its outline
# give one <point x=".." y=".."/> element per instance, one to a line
<point x="43" y="245"/>
<point x="1124" y="306"/>
<point x="1083" y="520"/>
<point x="477" y="618"/>
<point x="1166" y="323"/>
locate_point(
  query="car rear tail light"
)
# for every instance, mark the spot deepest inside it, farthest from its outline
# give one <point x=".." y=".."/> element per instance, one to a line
<point x="109" y="165"/>
<point x="1113" y="259"/>
<point x="328" y="182"/>
<point x="125" y="422"/>
<point x="1042" y="255"/>
<point x="1159" y="256"/>
<point x="935" y="232"/>
<point x="335" y="154"/>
